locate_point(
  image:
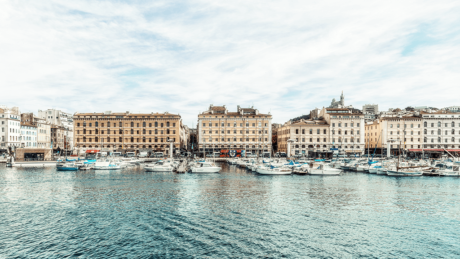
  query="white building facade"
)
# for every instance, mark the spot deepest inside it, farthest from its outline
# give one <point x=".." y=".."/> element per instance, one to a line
<point x="62" y="120"/>
<point x="10" y="124"/>
<point x="28" y="136"/>
<point x="57" y="117"/>
<point x="441" y="130"/>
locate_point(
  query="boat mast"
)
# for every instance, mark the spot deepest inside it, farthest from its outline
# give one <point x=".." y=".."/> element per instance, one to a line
<point x="399" y="155"/>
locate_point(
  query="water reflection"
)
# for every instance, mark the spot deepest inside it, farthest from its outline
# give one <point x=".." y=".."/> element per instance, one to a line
<point x="232" y="214"/>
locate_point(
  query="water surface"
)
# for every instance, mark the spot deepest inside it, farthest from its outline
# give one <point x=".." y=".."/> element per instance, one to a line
<point x="132" y="213"/>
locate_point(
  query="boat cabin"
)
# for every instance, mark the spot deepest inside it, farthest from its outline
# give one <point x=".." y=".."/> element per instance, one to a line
<point x="158" y="155"/>
<point x="130" y="154"/>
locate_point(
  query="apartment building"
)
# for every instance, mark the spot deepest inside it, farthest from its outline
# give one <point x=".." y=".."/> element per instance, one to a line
<point x="401" y="133"/>
<point x="246" y="129"/>
<point x="43" y="133"/>
<point x="308" y="137"/>
<point x="28" y="136"/>
<point x="63" y="123"/>
<point x="127" y="131"/>
<point x="346" y="129"/>
<point x="57" y="117"/>
<point x="441" y="130"/>
<point x="10" y="124"/>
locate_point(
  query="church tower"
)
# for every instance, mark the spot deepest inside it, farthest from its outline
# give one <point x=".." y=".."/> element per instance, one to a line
<point x="342" y="99"/>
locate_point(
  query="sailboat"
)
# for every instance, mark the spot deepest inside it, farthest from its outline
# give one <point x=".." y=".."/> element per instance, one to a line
<point x="405" y="171"/>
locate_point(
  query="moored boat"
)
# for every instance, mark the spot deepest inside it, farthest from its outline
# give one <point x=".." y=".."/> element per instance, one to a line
<point x="205" y="167"/>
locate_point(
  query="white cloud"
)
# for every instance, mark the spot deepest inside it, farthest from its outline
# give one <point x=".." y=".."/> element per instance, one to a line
<point x="286" y="57"/>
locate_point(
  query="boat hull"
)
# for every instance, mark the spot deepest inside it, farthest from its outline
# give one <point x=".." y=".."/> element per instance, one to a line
<point x="452" y="174"/>
<point x="325" y="172"/>
<point x="273" y="172"/>
<point x="107" y="168"/>
<point x="205" y="170"/>
<point x="158" y="169"/>
<point x="67" y="168"/>
<point x="398" y="173"/>
<point x="373" y="170"/>
<point x="381" y="171"/>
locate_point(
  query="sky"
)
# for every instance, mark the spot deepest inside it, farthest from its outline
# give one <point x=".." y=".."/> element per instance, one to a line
<point x="283" y="57"/>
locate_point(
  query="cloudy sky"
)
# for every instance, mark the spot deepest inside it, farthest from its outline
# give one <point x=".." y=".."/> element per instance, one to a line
<point x="284" y="57"/>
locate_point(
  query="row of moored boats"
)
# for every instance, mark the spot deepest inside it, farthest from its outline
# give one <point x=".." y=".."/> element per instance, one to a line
<point x="391" y="167"/>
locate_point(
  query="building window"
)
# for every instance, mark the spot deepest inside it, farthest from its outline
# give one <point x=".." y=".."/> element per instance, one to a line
<point x="143" y="124"/>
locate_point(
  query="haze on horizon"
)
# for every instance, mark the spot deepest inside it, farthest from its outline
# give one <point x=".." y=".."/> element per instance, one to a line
<point x="281" y="57"/>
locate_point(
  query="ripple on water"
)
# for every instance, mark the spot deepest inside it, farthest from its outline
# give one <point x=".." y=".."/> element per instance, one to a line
<point x="131" y="213"/>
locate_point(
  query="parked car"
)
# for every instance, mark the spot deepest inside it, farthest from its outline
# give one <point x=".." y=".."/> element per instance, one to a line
<point x="143" y="154"/>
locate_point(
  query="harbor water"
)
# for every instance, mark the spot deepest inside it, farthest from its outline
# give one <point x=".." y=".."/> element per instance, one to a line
<point x="135" y="214"/>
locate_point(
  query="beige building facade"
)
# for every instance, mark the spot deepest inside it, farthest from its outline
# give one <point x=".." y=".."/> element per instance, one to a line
<point x="127" y="131"/>
<point x="397" y="133"/>
<point x="346" y="129"/>
<point x="310" y="138"/>
<point x="44" y="133"/>
<point x="245" y="130"/>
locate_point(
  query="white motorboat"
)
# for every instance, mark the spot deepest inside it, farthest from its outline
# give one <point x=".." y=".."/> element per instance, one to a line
<point x="233" y="161"/>
<point x="131" y="160"/>
<point x="324" y="170"/>
<point x="270" y="170"/>
<point x="362" y="167"/>
<point x="373" y="169"/>
<point x="337" y="163"/>
<point x="106" y="165"/>
<point x="404" y="172"/>
<point x="450" y="171"/>
<point x="160" y="166"/>
<point x="205" y="167"/>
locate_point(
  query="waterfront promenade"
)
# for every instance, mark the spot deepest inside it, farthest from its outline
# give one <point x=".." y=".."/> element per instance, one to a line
<point x="131" y="213"/>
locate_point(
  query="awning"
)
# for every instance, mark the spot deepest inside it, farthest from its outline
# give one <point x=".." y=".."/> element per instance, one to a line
<point x="92" y="151"/>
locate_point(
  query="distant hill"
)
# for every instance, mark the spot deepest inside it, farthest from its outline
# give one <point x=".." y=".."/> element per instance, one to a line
<point x="303" y="117"/>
